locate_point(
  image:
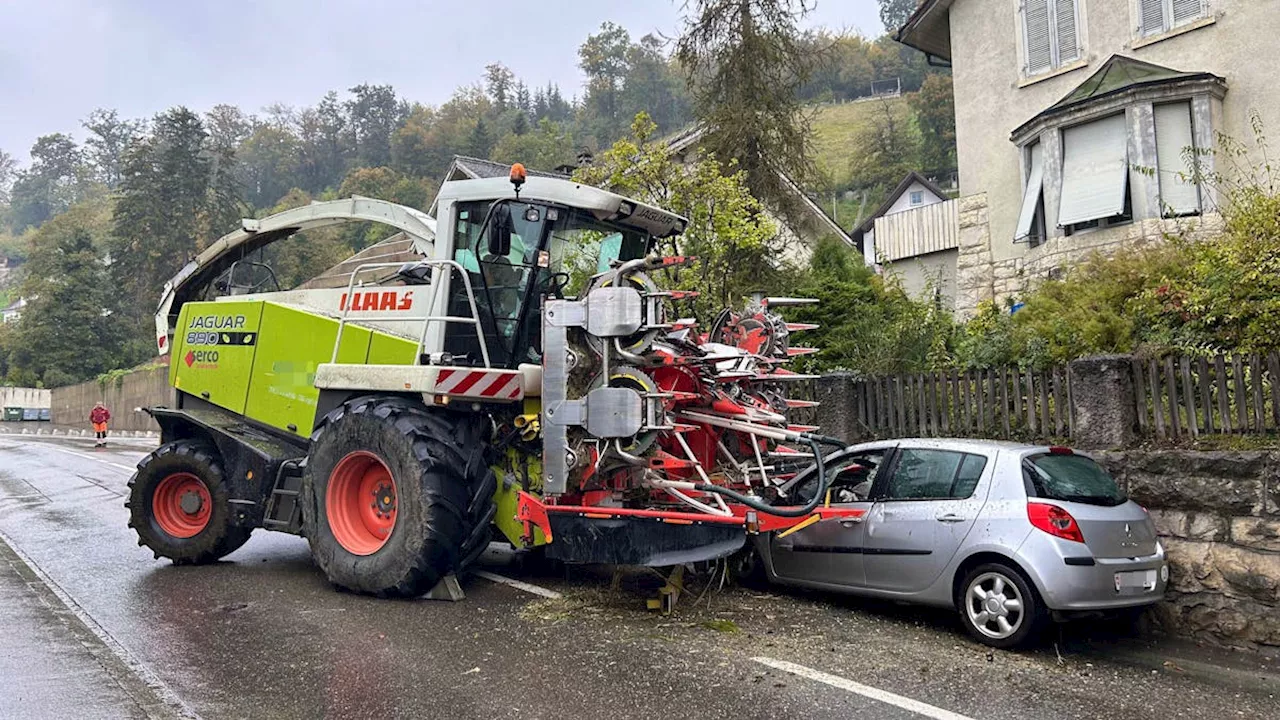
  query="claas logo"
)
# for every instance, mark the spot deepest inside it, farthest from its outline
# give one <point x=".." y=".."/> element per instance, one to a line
<point x="375" y="300"/>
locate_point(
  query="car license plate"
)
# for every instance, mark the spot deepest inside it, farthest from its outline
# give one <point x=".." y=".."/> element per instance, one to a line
<point x="1135" y="580"/>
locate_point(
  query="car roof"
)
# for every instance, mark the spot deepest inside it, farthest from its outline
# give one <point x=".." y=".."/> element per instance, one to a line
<point x="988" y="447"/>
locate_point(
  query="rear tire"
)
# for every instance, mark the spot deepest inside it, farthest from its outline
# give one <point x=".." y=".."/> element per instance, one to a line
<point x="436" y="491"/>
<point x="179" y="505"/>
<point x="999" y="608"/>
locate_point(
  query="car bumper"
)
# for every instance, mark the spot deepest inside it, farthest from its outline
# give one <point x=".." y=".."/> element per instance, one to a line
<point x="1070" y="579"/>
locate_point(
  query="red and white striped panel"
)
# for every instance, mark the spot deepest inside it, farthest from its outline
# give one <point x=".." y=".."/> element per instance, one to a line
<point x="480" y="384"/>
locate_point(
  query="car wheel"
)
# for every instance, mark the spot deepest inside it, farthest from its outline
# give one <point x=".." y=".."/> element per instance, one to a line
<point x="998" y="607"/>
<point x="747" y="568"/>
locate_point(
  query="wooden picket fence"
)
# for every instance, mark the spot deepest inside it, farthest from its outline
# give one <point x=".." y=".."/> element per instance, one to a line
<point x="1005" y="403"/>
<point x="1182" y="397"/>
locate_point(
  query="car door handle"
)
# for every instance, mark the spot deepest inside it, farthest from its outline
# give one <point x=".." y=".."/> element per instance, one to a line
<point x="950" y="518"/>
<point x="850" y="522"/>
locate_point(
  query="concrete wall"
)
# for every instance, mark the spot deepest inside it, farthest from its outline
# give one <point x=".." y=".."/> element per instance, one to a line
<point x="141" y="389"/>
<point x="918" y="272"/>
<point x="1218" y="515"/>
<point x="992" y="97"/>
<point x="24" y="397"/>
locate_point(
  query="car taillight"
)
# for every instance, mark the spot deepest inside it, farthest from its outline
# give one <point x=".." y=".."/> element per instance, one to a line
<point x="1055" y="521"/>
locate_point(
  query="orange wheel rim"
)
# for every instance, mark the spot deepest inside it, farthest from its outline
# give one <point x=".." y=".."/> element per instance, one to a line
<point x="182" y="505"/>
<point x="361" y="503"/>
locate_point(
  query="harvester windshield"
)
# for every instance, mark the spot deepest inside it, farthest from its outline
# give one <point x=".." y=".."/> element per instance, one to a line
<point x="553" y="250"/>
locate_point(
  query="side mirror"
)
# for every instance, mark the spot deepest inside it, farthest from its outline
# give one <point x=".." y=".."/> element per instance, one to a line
<point x="500" y="231"/>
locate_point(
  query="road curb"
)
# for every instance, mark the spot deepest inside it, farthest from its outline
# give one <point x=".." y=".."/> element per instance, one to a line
<point x="143" y="686"/>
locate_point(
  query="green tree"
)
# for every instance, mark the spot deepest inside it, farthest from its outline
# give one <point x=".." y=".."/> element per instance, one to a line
<point x="867" y="322"/>
<point x="480" y="142"/>
<point x="500" y="83"/>
<point x="895" y="13"/>
<point x="935" y="110"/>
<point x="374" y="113"/>
<point x="411" y="150"/>
<point x="8" y="168"/>
<point x="69" y="331"/>
<point x="654" y="86"/>
<point x="547" y="147"/>
<point x="746" y="60"/>
<point x="885" y="148"/>
<point x="52" y="183"/>
<point x="603" y="58"/>
<point x="269" y="163"/>
<point x="737" y="246"/>
<point x="174" y="198"/>
<point x="109" y="138"/>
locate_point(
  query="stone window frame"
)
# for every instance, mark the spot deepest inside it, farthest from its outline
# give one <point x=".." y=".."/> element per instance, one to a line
<point x="1138" y="104"/>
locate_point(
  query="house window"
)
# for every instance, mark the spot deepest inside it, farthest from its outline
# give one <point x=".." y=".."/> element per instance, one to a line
<point x="1095" y="175"/>
<point x="917" y="198"/>
<point x="1031" y="225"/>
<point x="1161" y="16"/>
<point x="1174" y="142"/>
<point x="1050" y="34"/>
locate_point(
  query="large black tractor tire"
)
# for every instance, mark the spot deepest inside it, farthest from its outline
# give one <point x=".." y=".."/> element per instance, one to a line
<point x="179" y="505"/>
<point x="396" y="495"/>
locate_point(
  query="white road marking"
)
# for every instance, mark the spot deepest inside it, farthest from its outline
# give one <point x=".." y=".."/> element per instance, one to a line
<point x="167" y="696"/>
<point x="519" y="585"/>
<point x="883" y="696"/>
<point x="125" y="468"/>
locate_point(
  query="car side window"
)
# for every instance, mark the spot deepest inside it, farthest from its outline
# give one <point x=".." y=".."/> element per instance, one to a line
<point x="922" y="474"/>
<point x="850" y="478"/>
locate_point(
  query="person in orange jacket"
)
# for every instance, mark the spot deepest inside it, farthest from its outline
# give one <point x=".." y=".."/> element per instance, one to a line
<point x="99" y="416"/>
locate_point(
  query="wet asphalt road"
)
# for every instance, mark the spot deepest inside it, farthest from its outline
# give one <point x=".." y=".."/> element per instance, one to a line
<point x="262" y="635"/>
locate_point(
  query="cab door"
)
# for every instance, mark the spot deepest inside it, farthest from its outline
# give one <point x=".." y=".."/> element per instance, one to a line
<point x="830" y="552"/>
<point x="923" y="511"/>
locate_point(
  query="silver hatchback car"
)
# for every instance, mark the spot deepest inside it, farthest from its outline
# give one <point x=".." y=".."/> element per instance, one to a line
<point x="1007" y="534"/>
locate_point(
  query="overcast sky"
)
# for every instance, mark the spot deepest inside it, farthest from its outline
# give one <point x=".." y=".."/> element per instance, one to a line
<point x="60" y="59"/>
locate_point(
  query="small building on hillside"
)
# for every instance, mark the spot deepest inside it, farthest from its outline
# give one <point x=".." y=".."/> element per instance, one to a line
<point x="921" y="246"/>
<point x="1075" y="120"/>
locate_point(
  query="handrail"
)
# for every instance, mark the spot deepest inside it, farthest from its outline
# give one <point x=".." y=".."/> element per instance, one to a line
<point x="426" y="321"/>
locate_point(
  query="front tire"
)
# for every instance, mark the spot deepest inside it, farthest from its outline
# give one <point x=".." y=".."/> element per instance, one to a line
<point x="397" y="495"/>
<point x="999" y="608"/>
<point x="179" y="505"/>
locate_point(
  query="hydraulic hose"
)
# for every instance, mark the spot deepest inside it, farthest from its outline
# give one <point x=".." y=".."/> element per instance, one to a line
<point x="756" y="504"/>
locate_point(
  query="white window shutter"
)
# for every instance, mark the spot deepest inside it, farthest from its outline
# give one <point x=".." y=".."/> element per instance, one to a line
<point x="1173" y="137"/>
<point x="1095" y="170"/>
<point x="1035" y="21"/>
<point x="1184" y="11"/>
<point x="1068" y="35"/>
<point x="1031" y="196"/>
<point x="1152" y="21"/>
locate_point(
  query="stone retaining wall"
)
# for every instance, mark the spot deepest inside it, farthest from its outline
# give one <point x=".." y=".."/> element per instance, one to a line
<point x="1218" y="515"/>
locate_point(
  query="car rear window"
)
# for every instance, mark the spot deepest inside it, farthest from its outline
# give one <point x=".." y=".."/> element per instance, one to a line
<point x="1072" y="478"/>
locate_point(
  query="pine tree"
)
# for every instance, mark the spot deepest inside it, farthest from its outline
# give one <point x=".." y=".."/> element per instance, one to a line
<point x="480" y="143"/>
<point x="746" y="60"/>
